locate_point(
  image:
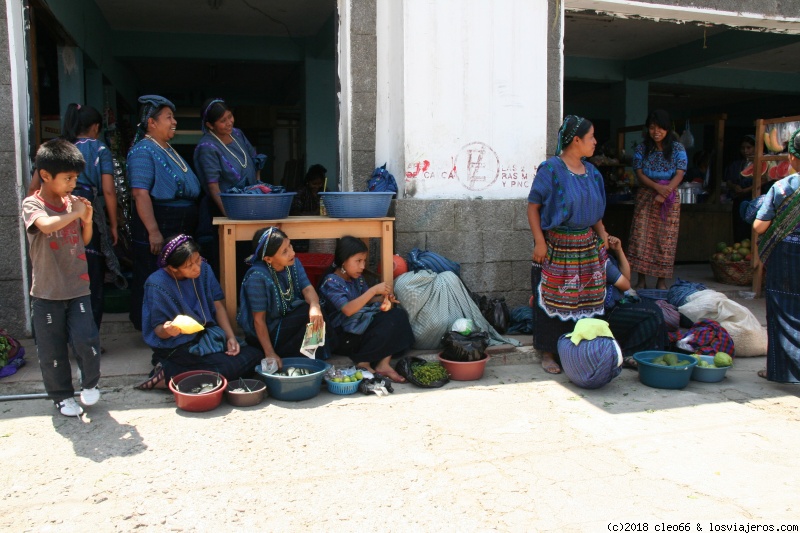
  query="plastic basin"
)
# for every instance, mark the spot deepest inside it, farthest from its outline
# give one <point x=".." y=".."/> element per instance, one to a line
<point x="197" y="403"/>
<point x="664" y="377"/>
<point x="246" y="399"/>
<point x="709" y="375"/>
<point x="343" y="389"/>
<point x="295" y="388"/>
<point x="464" y="370"/>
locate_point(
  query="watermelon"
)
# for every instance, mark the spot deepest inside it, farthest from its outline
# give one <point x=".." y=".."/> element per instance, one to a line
<point x="781" y="170"/>
<point x="748" y="170"/>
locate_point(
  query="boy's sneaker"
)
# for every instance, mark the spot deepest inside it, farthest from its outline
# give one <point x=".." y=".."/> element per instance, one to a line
<point x="69" y="407"/>
<point x="90" y="396"/>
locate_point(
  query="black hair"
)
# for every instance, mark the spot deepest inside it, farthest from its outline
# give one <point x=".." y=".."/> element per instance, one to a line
<point x="273" y="244"/>
<point x="213" y="112"/>
<point x="182" y="253"/>
<point x="347" y="247"/>
<point x="78" y="119"/>
<point x="572" y="127"/>
<point x="660" y="118"/>
<point x="59" y="155"/>
<point x="749" y="139"/>
<point x="315" y="171"/>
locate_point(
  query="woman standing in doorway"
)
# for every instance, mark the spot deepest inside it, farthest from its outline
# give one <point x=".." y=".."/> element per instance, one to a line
<point x="660" y="163"/>
<point x="164" y="189"/>
<point x="565" y="210"/>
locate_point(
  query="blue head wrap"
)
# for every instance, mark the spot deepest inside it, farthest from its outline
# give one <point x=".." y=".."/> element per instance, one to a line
<point x="150" y="103"/>
<point x="261" y="248"/>
<point x="566" y="132"/>
<point x="205" y="112"/>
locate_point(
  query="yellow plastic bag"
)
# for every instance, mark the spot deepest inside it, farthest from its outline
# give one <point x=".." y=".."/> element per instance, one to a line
<point x="187" y="324"/>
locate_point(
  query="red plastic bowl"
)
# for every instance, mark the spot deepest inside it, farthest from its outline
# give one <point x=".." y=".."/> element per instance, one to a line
<point x="464" y="371"/>
<point x="197" y="403"/>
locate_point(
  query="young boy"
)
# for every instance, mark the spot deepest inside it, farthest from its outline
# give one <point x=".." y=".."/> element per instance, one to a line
<point x="58" y="226"/>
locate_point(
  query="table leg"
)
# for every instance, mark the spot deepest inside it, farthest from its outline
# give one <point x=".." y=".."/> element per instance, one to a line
<point x="227" y="269"/>
<point x="387" y="248"/>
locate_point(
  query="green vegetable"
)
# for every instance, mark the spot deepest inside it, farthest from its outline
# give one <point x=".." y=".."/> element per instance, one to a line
<point x="427" y="373"/>
<point x="659" y="360"/>
<point x="721" y="359"/>
<point x="671" y="359"/>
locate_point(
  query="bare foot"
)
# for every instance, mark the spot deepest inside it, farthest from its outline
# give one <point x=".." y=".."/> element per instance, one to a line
<point x="390" y="373"/>
<point x="661" y="285"/>
<point x="762" y="373"/>
<point x="549" y="364"/>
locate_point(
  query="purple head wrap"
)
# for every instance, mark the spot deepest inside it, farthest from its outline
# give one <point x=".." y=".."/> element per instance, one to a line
<point x="170" y="248"/>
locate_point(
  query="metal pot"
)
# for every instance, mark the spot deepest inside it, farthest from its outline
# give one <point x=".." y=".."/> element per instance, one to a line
<point x="690" y="193"/>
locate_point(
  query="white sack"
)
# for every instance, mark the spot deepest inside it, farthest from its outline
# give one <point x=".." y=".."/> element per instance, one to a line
<point x="749" y="337"/>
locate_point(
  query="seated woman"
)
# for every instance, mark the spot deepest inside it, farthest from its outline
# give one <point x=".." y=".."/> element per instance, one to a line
<point x="370" y="330"/>
<point x="276" y="299"/>
<point x="185" y="285"/>
<point x="637" y="324"/>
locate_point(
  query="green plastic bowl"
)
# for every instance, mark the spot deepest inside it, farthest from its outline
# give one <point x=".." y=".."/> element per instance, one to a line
<point x="709" y="375"/>
<point x="664" y="377"/>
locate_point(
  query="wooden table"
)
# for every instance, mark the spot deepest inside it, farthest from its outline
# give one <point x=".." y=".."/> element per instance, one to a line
<point x="309" y="227"/>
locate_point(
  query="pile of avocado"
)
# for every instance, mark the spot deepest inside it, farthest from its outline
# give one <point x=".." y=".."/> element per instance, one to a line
<point x="721" y="360"/>
<point x="669" y="359"/>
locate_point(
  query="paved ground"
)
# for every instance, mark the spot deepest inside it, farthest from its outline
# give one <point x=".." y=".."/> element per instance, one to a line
<point x="519" y="450"/>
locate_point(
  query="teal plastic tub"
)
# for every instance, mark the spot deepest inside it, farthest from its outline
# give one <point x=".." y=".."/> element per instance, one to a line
<point x="709" y="375"/>
<point x="295" y="388"/>
<point x="664" y="377"/>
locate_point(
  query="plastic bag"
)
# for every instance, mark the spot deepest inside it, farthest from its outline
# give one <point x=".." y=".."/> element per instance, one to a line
<point x="381" y="181"/>
<point x="687" y="139"/>
<point x="405" y="367"/>
<point x="464" y="348"/>
<point x="495" y="311"/>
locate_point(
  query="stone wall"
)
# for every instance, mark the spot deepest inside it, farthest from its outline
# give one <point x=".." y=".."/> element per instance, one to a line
<point x="363" y="61"/>
<point x="12" y="294"/>
<point x="491" y="240"/>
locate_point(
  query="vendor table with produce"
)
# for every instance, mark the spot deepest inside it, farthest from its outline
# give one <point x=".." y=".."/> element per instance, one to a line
<point x="306" y="227"/>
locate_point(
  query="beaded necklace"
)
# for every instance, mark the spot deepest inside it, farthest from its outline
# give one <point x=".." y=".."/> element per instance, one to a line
<point x="284" y="296"/>
<point x="244" y="154"/>
<point x="178" y="161"/>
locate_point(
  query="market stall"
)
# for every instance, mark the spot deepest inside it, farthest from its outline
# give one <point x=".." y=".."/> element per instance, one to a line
<point x="705" y="219"/>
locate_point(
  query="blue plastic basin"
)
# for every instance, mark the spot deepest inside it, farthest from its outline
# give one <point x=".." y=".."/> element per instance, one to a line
<point x="295" y="388"/>
<point x="664" y="377"/>
<point x="709" y="375"/>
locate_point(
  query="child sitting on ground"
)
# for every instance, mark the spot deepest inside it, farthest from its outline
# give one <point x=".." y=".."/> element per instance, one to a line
<point x="59" y="225"/>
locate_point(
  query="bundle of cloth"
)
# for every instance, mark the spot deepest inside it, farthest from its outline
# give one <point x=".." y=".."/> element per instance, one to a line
<point x="434" y="301"/>
<point x="749" y="337"/>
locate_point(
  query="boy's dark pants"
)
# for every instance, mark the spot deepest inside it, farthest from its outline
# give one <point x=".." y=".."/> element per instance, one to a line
<point x="57" y="323"/>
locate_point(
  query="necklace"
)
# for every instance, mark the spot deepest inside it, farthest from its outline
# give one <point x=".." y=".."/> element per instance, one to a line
<point x="178" y="161"/>
<point x="205" y="320"/>
<point x="244" y="154"/>
<point x="288" y="294"/>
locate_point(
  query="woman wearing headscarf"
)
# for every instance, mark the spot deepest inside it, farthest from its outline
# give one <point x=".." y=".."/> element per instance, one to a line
<point x="778" y="223"/>
<point x="164" y="189"/>
<point x="277" y="301"/>
<point x="565" y="210"/>
<point x="184" y="286"/>
<point x="660" y="163"/>
<point x="223" y="159"/>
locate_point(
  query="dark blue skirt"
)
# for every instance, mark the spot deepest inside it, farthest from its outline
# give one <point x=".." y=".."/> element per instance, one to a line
<point x="783" y="311"/>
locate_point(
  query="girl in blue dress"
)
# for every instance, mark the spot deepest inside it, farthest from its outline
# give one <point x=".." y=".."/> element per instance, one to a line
<point x="277" y="301"/>
<point x="370" y="330"/>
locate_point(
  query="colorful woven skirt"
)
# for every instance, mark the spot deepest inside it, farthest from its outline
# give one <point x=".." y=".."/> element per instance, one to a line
<point x="573" y="282"/>
<point x="653" y="241"/>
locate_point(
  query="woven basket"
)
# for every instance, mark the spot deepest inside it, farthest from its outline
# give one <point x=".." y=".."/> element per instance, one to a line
<point x="732" y="272"/>
<point x="271" y="206"/>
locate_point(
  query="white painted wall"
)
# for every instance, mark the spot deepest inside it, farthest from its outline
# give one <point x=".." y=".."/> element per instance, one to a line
<point x="472" y="105"/>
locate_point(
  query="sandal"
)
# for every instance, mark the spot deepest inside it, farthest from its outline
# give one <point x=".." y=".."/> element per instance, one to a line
<point x="157" y="379"/>
<point x="630" y="362"/>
